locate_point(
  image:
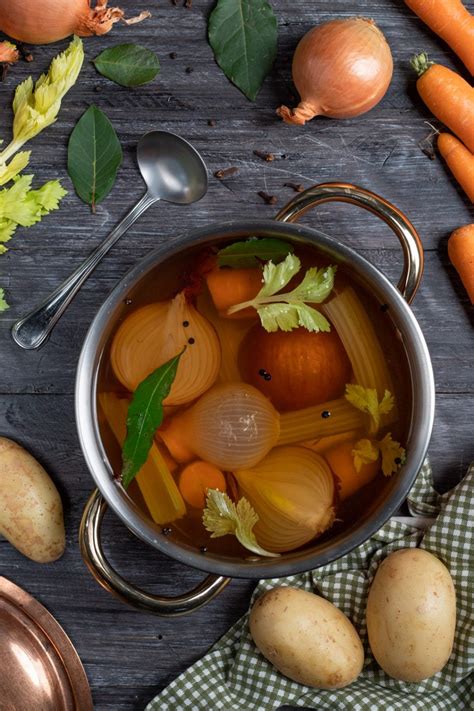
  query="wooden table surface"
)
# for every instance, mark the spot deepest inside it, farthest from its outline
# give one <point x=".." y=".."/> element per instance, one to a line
<point x="130" y="656"/>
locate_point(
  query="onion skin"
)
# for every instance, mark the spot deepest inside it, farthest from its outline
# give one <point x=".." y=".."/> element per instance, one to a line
<point x="8" y="53"/>
<point x="45" y="21"/>
<point x="341" y="69"/>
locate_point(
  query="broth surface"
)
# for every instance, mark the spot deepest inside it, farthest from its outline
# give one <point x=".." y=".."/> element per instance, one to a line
<point x="173" y="275"/>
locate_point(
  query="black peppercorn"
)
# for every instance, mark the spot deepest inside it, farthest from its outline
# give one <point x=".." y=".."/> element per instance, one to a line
<point x="166" y="531"/>
<point x="191" y="341"/>
<point x="325" y="414"/>
<point x="185" y="324"/>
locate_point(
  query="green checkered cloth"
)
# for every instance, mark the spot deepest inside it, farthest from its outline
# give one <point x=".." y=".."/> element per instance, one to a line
<point x="234" y="676"/>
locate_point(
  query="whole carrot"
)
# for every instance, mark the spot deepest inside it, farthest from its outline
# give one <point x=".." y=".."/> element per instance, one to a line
<point x="460" y="162"/>
<point x="452" y="22"/>
<point x="461" y="254"/>
<point x="448" y="96"/>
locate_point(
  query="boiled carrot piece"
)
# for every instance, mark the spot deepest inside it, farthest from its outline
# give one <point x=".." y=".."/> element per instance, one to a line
<point x="229" y="287"/>
<point x="196" y="479"/>
<point x="451" y="21"/>
<point x="461" y="254"/>
<point x="448" y="96"/>
<point x="341" y="461"/>
<point x="460" y="161"/>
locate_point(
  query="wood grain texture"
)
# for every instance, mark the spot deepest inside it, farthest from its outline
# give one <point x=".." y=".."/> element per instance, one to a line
<point x="129" y="656"/>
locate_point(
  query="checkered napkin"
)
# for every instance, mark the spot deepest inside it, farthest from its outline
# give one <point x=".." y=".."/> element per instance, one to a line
<point x="234" y="676"/>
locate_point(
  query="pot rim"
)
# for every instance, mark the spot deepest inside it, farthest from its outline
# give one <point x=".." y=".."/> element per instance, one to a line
<point x="423" y="399"/>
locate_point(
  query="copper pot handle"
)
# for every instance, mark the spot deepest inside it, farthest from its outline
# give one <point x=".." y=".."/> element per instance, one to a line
<point x="394" y="218"/>
<point x="108" y="578"/>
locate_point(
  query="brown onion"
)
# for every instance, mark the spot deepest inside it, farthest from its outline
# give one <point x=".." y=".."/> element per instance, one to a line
<point x="341" y="69"/>
<point x="44" y="21"/>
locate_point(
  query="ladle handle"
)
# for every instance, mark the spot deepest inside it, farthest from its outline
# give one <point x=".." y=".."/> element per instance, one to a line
<point x="33" y="330"/>
<point x="392" y="216"/>
<point x="108" y="578"/>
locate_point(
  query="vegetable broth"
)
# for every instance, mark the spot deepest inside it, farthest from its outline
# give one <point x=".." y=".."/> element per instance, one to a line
<point x="175" y="274"/>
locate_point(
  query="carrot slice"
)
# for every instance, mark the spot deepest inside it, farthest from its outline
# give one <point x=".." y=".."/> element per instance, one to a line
<point x="460" y="161"/>
<point x="229" y="287"/>
<point x="461" y="254"/>
<point x="196" y="479"/>
<point x="341" y="461"/>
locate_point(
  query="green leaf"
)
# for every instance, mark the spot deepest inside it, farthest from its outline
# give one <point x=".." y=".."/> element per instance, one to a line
<point x="19" y="205"/>
<point x="243" y="35"/>
<point x="222" y="517"/>
<point x="3" y="304"/>
<point x="145" y="415"/>
<point x="94" y="156"/>
<point x="315" y="287"/>
<point x="128" y="64"/>
<point x="286" y="317"/>
<point x="366" y="400"/>
<point x="289" y="310"/>
<point x="276" y="276"/>
<point x="36" y="106"/>
<point x="248" y="253"/>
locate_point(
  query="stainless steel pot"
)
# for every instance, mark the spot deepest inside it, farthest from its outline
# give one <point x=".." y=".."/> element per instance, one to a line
<point x="222" y="568"/>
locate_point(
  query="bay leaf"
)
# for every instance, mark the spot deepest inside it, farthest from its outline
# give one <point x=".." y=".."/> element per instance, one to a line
<point x="145" y="415"/>
<point x="251" y="252"/>
<point x="243" y="35"/>
<point x="128" y="64"/>
<point x="94" y="156"/>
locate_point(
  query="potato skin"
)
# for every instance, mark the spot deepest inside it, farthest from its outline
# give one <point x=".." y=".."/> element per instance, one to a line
<point x="306" y="638"/>
<point x="411" y="615"/>
<point x="31" y="512"/>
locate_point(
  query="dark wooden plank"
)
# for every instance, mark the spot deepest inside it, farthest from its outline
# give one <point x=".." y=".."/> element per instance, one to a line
<point x="129" y="656"/>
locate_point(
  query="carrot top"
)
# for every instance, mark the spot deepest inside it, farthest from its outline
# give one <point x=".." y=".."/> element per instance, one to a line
<point x="421" y="63"/>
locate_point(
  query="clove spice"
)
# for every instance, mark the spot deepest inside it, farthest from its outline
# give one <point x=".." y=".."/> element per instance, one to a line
<point x="226" y="172"/>
<point x="269" y="199"/>
<point x="297" y="187"/>
<point x="25" y="53"/>
<point x="264" y="156"/>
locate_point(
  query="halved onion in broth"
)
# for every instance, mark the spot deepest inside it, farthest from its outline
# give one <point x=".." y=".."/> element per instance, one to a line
<point x="153" y="334"/>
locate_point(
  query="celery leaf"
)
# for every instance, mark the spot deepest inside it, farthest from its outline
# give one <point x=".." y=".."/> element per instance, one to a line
<point x="3" y="304"/>
<point x="366" y="400"/>
<point x="290" y="310"/>
<point x="222" y="517"/>
<point x="393" y="454"/>
<point x="15" y="166"/>
<point x="276" y="276"/>
<point x="364" y="452"/>
<point x="37" y="106"/>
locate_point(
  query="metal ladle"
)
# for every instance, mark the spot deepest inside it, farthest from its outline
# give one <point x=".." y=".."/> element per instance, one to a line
<point x="173" y="171"/>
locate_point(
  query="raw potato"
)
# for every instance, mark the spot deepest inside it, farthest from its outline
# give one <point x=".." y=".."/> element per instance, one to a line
<point x="31" y="513"/>
<point x="411" y="615"/>
<point x="306" y="638"/>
